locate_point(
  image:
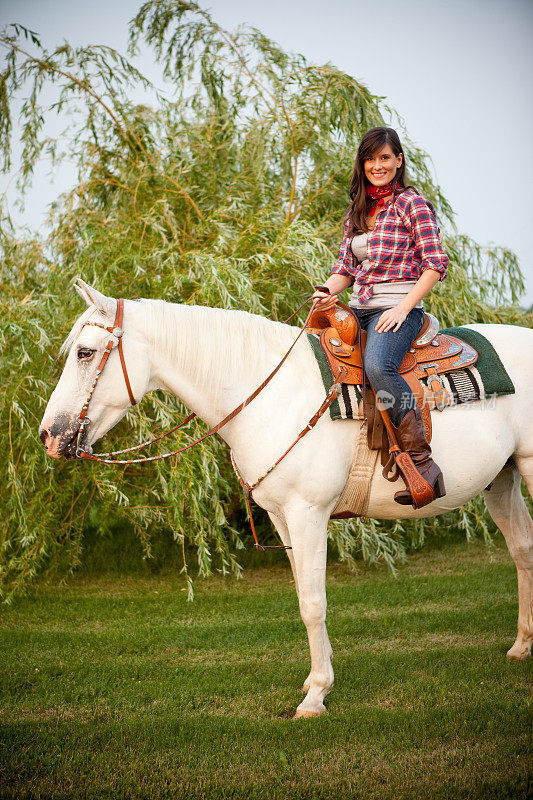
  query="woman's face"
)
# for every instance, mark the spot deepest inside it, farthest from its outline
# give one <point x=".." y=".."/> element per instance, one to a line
<point x="381" y="167"/>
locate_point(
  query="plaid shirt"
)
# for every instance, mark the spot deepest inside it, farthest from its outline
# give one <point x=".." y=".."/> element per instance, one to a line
<point x="404" y="243"/>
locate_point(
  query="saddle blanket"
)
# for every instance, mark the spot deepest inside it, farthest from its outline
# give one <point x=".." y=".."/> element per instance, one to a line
<point x="485" y="379"/>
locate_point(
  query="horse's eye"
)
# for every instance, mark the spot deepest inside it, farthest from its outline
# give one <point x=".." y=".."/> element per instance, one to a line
<point x="84" y="353"/>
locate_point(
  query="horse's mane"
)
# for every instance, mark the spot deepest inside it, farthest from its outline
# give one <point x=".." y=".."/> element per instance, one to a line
<point x="196" y="338"/>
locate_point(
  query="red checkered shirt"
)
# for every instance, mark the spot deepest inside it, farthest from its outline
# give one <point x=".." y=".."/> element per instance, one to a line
<point x="404" y="243"/>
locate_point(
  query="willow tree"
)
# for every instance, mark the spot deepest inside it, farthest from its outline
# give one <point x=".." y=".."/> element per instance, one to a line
<point x="229" y="194"/>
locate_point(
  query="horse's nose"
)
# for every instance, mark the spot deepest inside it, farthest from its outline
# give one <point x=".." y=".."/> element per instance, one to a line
<point x="44" y="435"/>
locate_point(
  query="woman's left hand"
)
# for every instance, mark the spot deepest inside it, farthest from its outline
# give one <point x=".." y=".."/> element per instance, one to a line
<point x="392" y="318"/>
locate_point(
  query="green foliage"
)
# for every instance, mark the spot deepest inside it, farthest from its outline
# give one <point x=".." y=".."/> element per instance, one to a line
<point x="231" y="194"/>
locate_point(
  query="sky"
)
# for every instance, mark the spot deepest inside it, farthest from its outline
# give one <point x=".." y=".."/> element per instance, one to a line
<point x="459" y="74"/>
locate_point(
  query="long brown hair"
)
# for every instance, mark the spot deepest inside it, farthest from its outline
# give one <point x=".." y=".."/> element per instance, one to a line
<point x="372" y="142"/>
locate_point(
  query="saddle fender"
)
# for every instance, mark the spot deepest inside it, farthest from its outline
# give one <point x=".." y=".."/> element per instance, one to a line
<point x="430" y="355"/>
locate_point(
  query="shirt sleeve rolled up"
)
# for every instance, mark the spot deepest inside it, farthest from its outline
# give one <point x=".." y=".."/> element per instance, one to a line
<point x="420" y="219"/>
<point x="345" y="263"/>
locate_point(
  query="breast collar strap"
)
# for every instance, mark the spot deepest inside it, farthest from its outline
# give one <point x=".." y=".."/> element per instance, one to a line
<point x="117" y="332"/>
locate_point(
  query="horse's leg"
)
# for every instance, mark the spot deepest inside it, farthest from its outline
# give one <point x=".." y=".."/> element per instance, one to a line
<point x="281" y="527"/>
<point x="307" y="527"/>
<point x="283" y="531"/>
<point x="508" y="510"/>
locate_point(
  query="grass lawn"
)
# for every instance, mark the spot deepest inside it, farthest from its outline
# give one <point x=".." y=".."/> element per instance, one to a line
<point x="117" y="687"/>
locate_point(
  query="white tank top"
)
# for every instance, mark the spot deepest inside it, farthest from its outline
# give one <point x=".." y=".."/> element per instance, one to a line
<point x="385" y="294"/>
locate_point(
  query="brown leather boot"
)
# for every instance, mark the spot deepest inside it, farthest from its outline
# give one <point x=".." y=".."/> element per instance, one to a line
<point x="411" y="436"/>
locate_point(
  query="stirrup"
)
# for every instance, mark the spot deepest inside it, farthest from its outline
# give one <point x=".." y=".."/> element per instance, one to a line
<point x="405" y="498"/>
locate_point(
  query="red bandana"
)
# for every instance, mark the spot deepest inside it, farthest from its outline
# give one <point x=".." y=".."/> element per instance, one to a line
<point x="375" y="195"/>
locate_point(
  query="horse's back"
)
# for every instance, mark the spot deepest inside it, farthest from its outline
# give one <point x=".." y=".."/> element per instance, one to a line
<point x="499" y="332"/>
<point x="514" y="346"/>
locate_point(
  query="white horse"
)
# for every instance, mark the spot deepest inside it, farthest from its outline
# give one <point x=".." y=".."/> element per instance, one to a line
<point x="212" y="359"/>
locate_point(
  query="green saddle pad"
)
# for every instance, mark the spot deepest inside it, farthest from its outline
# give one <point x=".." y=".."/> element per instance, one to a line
<point x="486" y="378"/>
<point x="495" y="378"/>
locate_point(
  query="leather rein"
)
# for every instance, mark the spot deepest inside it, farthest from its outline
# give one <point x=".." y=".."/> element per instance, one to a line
<point x="117" y="332"/>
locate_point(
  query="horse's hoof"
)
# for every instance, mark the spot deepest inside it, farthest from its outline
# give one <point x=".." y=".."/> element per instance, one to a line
<point x="304" y="713"/>
<point x="519" y="653"/>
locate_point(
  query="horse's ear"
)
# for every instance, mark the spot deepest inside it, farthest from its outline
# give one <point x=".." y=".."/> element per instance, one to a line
<point x="95" y="298"/>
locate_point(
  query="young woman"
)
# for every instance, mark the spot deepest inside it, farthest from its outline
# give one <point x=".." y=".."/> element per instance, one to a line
<point x="392" y="255"/>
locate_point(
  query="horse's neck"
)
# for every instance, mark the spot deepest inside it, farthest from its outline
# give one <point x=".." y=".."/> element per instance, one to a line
<point x="212" y="359"/>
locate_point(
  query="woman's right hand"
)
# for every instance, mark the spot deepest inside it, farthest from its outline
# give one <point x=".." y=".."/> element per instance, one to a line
<point x="326" y="296"/>
<point x="324" y="301"/>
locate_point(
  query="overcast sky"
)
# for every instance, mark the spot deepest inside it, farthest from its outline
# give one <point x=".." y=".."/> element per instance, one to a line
<point x="458" y="72"/>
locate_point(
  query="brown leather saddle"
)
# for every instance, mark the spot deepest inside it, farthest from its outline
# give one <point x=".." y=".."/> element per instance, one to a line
<point x="431" y="355"/>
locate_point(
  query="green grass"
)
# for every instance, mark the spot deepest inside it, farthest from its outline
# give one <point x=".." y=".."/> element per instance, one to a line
<point x="117" y="687"/>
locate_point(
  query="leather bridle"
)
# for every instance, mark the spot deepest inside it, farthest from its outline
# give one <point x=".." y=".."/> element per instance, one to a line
<point x="117" y="332"/>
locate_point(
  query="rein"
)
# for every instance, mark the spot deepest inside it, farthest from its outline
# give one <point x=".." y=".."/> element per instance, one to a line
<point x="117" y="332"/>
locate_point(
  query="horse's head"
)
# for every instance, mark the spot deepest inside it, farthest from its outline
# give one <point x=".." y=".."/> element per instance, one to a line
<point x="110" y="400"/>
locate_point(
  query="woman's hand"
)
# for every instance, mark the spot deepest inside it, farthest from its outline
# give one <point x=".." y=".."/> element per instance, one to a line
<point x="394" y="317"/>
<point x="324" y="301"/>
<point x="391" y="319"/>
<point x="326" y="296"/>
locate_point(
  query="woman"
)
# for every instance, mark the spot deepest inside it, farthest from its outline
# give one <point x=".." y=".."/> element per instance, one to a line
<point x="392" y="255"/>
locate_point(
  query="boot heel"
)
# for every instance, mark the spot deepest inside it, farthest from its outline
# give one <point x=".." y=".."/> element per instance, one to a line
<point x="438" y="487"/>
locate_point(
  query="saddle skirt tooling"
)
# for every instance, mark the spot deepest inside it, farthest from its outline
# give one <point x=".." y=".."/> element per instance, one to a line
<point x="431" y="355"/>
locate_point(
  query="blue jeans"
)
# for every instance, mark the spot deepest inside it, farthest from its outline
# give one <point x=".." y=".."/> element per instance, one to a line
<point x="384" y="353"/>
